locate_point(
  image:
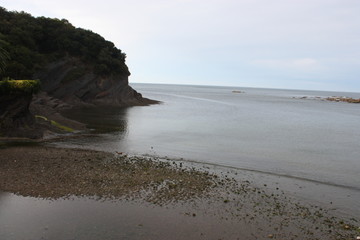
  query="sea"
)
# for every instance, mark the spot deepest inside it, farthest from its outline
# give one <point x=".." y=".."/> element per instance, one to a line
<point x="291" y="133"/>
<point x="291" y="140"/>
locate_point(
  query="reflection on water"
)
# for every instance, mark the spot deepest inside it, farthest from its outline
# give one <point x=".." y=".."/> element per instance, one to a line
<point x="80" y="218"/>
<point x="102" y="119"/>
<point x="108" y="125"/>
<point x="25" y="218"/>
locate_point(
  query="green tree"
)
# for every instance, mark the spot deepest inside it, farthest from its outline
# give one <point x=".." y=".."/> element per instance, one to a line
<point x="32" y="43"/>
<point x="4" y="56"/>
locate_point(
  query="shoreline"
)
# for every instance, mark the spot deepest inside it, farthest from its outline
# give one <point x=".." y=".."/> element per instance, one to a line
<point x="86" y="173"/>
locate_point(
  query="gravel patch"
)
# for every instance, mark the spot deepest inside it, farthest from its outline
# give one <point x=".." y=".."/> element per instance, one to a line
<point x="54" y="173"/>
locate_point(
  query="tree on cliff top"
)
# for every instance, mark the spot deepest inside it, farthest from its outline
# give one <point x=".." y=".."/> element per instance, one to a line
<point x="4" y="56"/>
<point x="32" y="43"/>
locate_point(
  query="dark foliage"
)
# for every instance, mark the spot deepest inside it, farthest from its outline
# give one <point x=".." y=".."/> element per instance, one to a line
<point x="4" y="56"/>
<point x="19" y="87"/>
<point x="31" y="43"/>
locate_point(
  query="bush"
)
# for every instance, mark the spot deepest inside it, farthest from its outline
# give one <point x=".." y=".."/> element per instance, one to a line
<point x="19" y="86"/>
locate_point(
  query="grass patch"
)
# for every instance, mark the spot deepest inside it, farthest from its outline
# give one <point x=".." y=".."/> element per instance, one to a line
<point x="19" y="86"/>
<point x="56" y="124"/>
<point x="41" y="117"/>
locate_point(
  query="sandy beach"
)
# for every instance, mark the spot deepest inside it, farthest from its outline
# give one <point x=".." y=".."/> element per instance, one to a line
<point x="200" y="202"/>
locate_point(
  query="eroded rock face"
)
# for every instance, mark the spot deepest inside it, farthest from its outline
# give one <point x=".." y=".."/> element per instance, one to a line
<point x="75" y="83"/>
<point x="65" y="83"/>
<point x="15" y="117"/>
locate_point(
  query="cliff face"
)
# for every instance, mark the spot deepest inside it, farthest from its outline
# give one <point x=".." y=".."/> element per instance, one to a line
<point x="76" y="67"/>
<point x="15" y="117"/>
<point x="75" y="83"/>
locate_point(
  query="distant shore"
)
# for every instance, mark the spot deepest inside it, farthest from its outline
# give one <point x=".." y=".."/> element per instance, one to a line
<point x="333" y="99"/>
<point x="54" y="173"/>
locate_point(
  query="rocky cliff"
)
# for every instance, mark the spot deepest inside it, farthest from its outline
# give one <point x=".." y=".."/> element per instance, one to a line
<point x="76" y="67"/>
<point x="65" y="84"/>
<point x="74" y="82"/>
<point x="16" y="119"/>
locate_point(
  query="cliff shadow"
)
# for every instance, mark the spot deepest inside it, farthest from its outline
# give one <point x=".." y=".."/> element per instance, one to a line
<point x="101" y="119"/>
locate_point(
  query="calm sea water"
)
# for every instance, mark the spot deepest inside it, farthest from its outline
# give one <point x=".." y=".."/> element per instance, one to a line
<point x="269" y="132"/>
<point x="265" y="130"/>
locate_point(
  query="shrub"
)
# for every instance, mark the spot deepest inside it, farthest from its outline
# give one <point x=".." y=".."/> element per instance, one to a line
<point x="19" y="86"/>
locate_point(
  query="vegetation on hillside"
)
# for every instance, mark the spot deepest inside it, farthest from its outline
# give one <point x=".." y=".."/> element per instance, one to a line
<point x="19" y="86"/>
<point x="4" y="56"/>
<point x="28" y="44"/>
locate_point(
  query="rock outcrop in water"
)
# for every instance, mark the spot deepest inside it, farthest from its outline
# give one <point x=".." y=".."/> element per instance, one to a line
<point x="343" y="99"/>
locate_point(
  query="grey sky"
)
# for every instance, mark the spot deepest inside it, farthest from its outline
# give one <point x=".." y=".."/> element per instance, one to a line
<point x="296" y="44"/>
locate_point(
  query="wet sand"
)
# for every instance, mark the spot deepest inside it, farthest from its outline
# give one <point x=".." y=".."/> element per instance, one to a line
<point x="148" y="198"/>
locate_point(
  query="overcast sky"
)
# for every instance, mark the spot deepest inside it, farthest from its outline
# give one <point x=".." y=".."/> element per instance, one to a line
<point x="293" y="44"/>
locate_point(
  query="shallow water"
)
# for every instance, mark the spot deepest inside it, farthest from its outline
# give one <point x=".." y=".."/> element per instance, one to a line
<point x="83" y="218"/>
<point x="265" y="130"/>
<point x="24" y="218"/>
